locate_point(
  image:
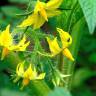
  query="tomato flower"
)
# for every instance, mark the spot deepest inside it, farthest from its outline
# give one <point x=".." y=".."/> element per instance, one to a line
<point x="66" y="40"/>
<point x="29" y="74"/>
<point x="41" y="13"/>
<point x="7" y="42"/>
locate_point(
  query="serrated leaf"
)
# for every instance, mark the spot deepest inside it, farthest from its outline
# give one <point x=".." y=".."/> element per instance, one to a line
<point x="89" y="10"/>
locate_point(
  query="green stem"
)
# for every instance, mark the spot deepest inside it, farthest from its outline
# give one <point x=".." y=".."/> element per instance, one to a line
<point x="77" y="32"/>
<point x="65" y="65"/>
<point x="71" y="16"/>
<point x="64" y="9"/>
<point x="61" y="58"/>
<point x="25" y="31"/>
<point x="60" y="62"/>
<point x="25" y="14"/>
<point x="39" y="88"/>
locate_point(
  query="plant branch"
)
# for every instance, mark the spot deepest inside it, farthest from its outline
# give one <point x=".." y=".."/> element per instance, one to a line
<point x="71" y="17"/>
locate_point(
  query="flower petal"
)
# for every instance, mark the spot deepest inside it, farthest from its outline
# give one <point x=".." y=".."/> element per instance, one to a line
<point x="53" y="45"/>
<point x="6" y="38"/>
<point x="68" y="54"/>
<point x="51" y="13"/>
<point x="38" y="21"/>
<point x="28" y="21"/>
<point x="53" y="4"/>
<point x="40" y="8"/>
<point x="29" y="73"/>
<point x="21" y="46"/>
<point x="20" y="69"/>
<point x="65" y="38"/>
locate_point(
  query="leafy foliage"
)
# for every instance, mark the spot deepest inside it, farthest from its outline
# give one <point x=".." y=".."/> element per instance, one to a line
<point x="89" y="10"/>
<point x="83" y="49"/>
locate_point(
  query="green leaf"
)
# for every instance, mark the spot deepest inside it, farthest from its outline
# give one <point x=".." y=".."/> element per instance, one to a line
<point x="11" y="10"/>
<point x="81" y="75"/>
<point x="89" y="10"/>
<point x="92" y="57"/>
<point x="7" y="92"/>
<point x="60" y="91"/>
<point x="19" y="1"/>
<point x="77" y="33"/>
<point x="38" y="88"/>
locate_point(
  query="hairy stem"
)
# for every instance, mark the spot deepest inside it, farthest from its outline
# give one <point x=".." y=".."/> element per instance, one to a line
<point x="71" y="16"/>
<point x="60" y="62"/>
<point x="77" y="33"/>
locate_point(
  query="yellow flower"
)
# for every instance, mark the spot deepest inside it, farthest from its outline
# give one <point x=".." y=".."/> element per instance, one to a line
<point x="66" y="40"/>
<point x="7" y="42"/>
<point x="28" y="74"/>
<point x="54" y="46"/>
<point x="42" y="12"/>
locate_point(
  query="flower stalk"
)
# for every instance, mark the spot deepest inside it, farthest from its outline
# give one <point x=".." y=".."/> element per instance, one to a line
<point x="60" y="62"/>
<point x="76" y="33"/>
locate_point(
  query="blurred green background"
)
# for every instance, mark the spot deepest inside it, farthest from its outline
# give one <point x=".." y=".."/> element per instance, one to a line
<point x="84" y="81"/>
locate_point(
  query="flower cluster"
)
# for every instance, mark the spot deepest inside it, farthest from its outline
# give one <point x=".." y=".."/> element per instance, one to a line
<point x="39" y="16"/>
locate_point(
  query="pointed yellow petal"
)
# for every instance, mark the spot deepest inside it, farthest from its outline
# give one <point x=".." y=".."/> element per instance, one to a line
<point x="5" y="37"/>
<point x="51" y="13"/>
<point x="53" y="4"/>
<point x="53" y="45"/>
<point x="43" y="14"/>
<point x="37" y="7"/>
<point x="29" y="73"/>
<point x="67" y="53"/>
<point x="65" y="38"/>
<point x="41" y="76"/>
<point x="21" y="46"/>
<point x="38" y="21"/>
<point x="4" y="53"/>
<point x="28" y="21"/>
<point x="22" y="41"/>
<point x="40" y="9"/>
<point x="20" y="69"/>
